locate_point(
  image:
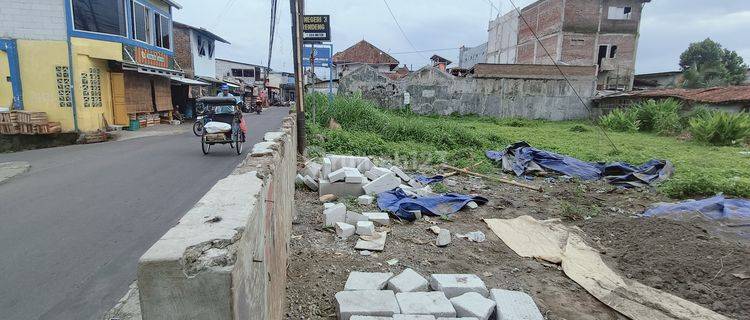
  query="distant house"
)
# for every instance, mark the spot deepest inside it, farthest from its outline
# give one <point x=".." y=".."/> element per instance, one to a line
<point x="440" y="62"/>
<point x="731" y="99"/>
<point x="573" y="32"/>
<point x="470" y="56"/>
<point x="240" y="73"/>
<point x="658" y="80"/>
<point x="363" y="53"/>
<point x="194" y="50"/>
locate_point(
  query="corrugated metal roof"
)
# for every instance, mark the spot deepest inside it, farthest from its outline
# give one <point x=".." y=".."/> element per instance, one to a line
<point x="707" y="95"/>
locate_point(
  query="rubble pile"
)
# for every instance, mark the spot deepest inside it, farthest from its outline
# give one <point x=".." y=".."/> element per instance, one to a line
<point x="410" y="296"/>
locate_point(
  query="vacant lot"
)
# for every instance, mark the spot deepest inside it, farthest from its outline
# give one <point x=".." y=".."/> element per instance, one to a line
<point x="701" y="170"/>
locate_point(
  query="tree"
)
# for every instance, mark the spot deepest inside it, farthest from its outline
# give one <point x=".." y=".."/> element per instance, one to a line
<point x="707" y="64"/>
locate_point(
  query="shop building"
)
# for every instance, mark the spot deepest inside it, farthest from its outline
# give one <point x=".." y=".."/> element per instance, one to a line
<point x="88" y="63"/>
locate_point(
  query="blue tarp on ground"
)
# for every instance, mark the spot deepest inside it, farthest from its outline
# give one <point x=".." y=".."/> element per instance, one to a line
<point x="429" y="180"/>
<point x="715" y="208"/>
<point x="525" y="160"/>
<point x="400" y="204"/>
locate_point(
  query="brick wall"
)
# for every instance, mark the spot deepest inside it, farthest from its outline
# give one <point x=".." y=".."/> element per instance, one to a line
<point x="578" y="49"/>
<point x="582" y="16"/>
<point x="32" y="20"/>
<point x="487" y="70"/>
<point x="621" y="26"/>
<point x="182" y="52"/>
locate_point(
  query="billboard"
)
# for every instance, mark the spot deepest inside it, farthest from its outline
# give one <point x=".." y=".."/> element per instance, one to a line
<point x="316" y="28"/>
<point x="321" y="57"/>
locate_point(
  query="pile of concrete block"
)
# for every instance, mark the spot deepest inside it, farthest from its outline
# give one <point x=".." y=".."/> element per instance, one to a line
<point x="355" y="176"/>
<point x="409" y="296"/>
<point x="367" y="225"/>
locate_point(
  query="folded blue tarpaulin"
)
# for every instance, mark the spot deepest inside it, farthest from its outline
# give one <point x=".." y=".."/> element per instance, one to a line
<point x="524" y="160"/>
<point x="715" y="208"/>
<point x="398" y="202"/>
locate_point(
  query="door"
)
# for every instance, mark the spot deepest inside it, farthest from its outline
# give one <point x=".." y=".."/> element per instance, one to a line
<point x="6" y="87"/>
<point x="119" y="110"/>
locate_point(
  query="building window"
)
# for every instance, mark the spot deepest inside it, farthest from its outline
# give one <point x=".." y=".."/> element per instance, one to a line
<point x="619" y="13"/>
<point x="202" y="44"/>
<point x="236" y="72"/>
<point x="162" y="31"/>
<point x="211" y="49"/>
<point x="141" y="23"/>
<point x="101" y="16"/>
<point x="63" y="86"/>
<point x="613" y="51"/>
<point x="248" y="73"/>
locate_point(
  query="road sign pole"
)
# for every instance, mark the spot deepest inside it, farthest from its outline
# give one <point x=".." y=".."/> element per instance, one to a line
<point x="330" y="79"/>
<point x="297" y="9"/>
<point x="312" y="80"/>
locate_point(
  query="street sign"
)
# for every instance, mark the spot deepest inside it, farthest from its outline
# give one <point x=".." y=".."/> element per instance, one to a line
<point x="316" y="28"/>
<point x="322" y="57"/>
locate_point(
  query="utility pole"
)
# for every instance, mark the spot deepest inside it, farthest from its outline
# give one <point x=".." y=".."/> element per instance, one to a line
<point x="297" y="8"/>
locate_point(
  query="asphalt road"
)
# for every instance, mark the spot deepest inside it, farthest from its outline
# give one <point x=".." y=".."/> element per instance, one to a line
<point x="73" y="227"/>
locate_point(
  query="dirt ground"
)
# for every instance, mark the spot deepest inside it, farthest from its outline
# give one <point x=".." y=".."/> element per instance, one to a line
<point x="681" y="258"/>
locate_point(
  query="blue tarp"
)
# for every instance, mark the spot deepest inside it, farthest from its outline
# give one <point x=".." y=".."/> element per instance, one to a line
<point x="429" y="180"/>
<point x="715" y="208"/>
<point x="524" y="160"/>
<point x="400" y="204"/>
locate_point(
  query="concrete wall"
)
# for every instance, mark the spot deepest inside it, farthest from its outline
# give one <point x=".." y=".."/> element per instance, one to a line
<point x="502" y="39"/>
<point x="226" y="258"/>
<point x="514" y="94"/>
<point x="32" y="20"/>
<point x="203" y="66"/>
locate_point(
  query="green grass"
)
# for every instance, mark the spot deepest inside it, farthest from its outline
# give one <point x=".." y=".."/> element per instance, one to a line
<point x="701" y="170"/>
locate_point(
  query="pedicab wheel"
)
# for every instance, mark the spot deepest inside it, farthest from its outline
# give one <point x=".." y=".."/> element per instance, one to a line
<point x="238" y="143"/>
<point x="205" y="146"/>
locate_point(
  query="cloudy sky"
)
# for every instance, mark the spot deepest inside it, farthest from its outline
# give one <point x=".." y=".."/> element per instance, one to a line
<point x="441" y="26"/>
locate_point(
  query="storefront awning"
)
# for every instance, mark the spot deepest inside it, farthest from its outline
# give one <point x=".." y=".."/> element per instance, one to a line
<point x="232" y="85"/>
<point x="187" y="81"/>
<point x="209" y="79"/>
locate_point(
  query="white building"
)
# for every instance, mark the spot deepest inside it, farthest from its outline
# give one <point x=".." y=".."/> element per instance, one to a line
<point x="247" y="74"/>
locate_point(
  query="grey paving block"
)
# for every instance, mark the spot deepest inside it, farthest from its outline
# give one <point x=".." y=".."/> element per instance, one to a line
<point x="472" y="304"/>
<point x="463" y="318"/>
<point x="384" y="183"/>
<point x="366" y="303"/>
<point x="454" y="285"/>
<point x="335" y="213"/>
<point x="381" y="218"/>
<point x="412" y="317"/>
<point x="426" y="303"/>
<point x="341" y="189"/>
<point x="367" y="280"/>
<point x="408" y="281"/>
<point x="353" y="217"/>
<point x="369" y="318"/>
<point x="515" y="305"/>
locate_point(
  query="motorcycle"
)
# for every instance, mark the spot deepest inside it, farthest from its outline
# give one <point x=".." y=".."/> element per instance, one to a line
<point x="198" y="125"/>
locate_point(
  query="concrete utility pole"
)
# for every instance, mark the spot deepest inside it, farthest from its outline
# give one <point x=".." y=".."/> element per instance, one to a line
<point x="297" y="8"/>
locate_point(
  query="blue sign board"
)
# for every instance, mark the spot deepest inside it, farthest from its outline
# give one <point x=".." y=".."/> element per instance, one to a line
<point x="322" y="56"/>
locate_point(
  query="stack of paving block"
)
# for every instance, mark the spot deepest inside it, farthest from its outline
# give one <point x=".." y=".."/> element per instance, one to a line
<point x="27" y="122"/>
<point x="409" y="296"/>
<point x="354" y="176"/>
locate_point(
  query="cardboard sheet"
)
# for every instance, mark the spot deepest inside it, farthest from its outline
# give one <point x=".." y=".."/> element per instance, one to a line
<point x="552" y="241"/>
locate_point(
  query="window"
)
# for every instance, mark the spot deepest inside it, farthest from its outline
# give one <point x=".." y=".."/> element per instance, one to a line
<point x="162" y="29"/>
<point x="141" y="23"/>
<point x="248" y="73"/>
<point x="211" y="49"/>
<point x="612" y="51"/>
<point x="236" y="72"/>
<point x="602" y="54"/>
<point x="202" y="44"/>
<point x="619" y="13"/>
<point x="102" y="16"/>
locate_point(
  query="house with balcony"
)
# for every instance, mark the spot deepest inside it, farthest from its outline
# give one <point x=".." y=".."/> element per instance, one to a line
<point x="88" y="63"/>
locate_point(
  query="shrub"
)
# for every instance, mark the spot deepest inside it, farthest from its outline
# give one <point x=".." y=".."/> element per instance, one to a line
<point x="623" y="120"/>
<point x="661" y="116"/>
<point x="697" y="111"/>
<point x="721" y="128"/>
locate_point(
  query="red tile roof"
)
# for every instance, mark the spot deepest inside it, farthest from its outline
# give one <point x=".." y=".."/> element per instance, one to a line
<point x="364" y="52"/>
<point x="708" y="95"/>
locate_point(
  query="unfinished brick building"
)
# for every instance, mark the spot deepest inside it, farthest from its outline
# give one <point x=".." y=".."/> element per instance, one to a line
<point x="574" y="32"/>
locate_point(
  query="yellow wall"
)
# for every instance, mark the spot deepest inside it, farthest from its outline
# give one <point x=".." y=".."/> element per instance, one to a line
<point x="37" y="62"/>
<point x="38" y="59"/>
<point x="94" y="54"/>
<point x="6" y="88"/>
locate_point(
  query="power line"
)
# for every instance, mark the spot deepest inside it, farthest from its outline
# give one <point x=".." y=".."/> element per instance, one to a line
<point x="554" y="62"/>
<point x="426" y="50"/>
<point x="229" y="4"/>
<point x="402" y="30"/>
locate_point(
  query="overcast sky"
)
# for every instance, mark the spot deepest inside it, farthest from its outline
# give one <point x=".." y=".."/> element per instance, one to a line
<point x="667" y="28"/>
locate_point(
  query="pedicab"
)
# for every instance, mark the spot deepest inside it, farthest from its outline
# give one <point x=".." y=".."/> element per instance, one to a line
<point x="223" y="124"/>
